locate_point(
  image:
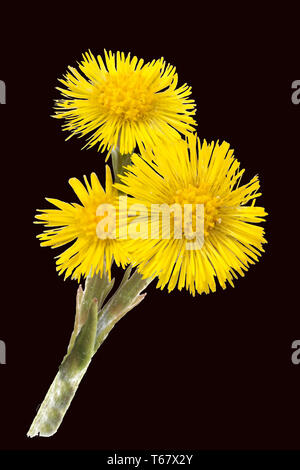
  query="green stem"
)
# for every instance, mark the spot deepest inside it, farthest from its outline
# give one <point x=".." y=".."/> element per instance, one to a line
<point x="92" y="334"/>
<point x="119" y="163"/>
<point x="96" y="287"/>
<point x="71" y="371"/>
<point x="125" y="299"/>
<point x="55" y="405"/>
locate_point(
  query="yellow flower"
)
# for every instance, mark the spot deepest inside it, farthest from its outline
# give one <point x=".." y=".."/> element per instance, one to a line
<point x="124" y="103"/>
<point x="191" y="174"/>
<point x="80" y="222"/>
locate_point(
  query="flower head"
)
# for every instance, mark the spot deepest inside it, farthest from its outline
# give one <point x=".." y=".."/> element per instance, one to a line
<point x="124" y="103"/>
<point x="93" y="249"/>
<point x="193" y="174"/>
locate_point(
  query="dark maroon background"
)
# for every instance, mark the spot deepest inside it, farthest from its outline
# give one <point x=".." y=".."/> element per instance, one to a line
<point x="210" y="372"/>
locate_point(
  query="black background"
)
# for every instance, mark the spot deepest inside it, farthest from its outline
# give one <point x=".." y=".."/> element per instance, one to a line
<point x="210" y="372"/>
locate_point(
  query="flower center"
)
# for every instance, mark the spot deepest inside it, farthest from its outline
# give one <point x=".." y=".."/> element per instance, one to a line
<point x="125" y="96"/>
<point x="89" y="217"/>
<point x="194" y="195"/>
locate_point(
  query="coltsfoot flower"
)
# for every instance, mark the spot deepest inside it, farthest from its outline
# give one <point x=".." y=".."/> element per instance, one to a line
<point x="194" y="173"/>
<point x="91" y="252"/>
<point x="124" y="102"/>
